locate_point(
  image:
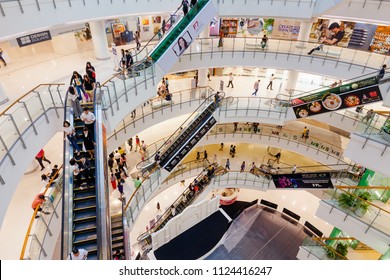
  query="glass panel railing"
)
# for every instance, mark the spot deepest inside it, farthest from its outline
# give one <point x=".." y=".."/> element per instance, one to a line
<point x="42" y="225"/>
<point x="321" y="250"/>
<point x="23" y="114"/>
<point x="358" y="203"/>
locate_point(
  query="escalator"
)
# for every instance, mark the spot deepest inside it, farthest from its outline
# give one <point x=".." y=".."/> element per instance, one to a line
<point x="84" y="202"/>
<point x="117" y="233"/>
<point x="176" y="147"/>
<point x="167" y="51"/>
<point x="185" y="199"/>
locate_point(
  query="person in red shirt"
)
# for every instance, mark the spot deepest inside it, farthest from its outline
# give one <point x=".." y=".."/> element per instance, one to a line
<point x="38" y="200"/>
<point x="41" y="157"/>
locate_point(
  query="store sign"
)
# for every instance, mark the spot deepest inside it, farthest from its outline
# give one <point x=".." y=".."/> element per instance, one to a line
<point x="316" y="180"/>
<point x="34" y="38"/>
<point x="333" y="99"/>
<point x="187" y="147"/>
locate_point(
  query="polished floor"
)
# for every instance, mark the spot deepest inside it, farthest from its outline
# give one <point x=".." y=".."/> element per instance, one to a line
<point x="22" y="75"/>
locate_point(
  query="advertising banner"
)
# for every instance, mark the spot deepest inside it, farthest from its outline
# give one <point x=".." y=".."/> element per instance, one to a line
<point x="255" y="27"/>
<point x="362" y="36"/>
<point x="320" y="31"/>
<point x="214" y="26"/>
<point x="34" y="38"/>
<point x="316" y="180"/>
<point x="345" y="96"/>
<point x="381" y="41"/>
<point x="185" y="38"/>
<point x="286" y="29"/>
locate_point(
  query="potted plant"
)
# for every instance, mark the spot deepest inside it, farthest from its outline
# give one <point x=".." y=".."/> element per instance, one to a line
<point x="346" y="200"/>
<point x="342" y="249"/>
<point x="361" y="205"/>
<point x="386" y="130"/>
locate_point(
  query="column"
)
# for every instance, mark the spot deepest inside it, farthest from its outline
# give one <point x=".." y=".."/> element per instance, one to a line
<point x="3" y="97"/>
<point x="99" y="40"/>
<point x="304" y="33"/>
<point x="202" y="77"/>
<point x="292" y="80"/>
<point x="205" y="34"/>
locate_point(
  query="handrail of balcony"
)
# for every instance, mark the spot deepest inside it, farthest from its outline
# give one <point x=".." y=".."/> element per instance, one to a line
<point x="313" y="241"/>
<point x="33" y="219"/>
<point x="26" y="94"/>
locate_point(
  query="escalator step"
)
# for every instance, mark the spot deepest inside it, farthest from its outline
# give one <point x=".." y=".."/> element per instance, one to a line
<point x="86" y="236"/>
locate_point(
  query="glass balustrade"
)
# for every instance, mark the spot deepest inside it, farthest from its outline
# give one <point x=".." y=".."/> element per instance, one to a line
<point x="25" y="112"/>
<point x="356" y="203"/>
<point x="42" y="226"/>
<point x="320" y="250"/>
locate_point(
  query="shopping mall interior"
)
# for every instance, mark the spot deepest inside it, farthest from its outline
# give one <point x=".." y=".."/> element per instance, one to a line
<point x="257" y="130"/>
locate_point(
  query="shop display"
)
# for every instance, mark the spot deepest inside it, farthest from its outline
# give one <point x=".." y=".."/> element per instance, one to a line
<point x="231" y="26"/>
<point x="381" y="41"/>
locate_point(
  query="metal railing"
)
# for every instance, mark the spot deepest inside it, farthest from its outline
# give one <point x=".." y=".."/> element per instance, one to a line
<point x="40" y="226"/>
<point x="375" y="216"/>
<point x="23" y="114"/>
<point x="320" y="250"/>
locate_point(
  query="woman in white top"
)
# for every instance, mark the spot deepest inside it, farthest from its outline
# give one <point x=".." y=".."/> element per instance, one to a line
<point x="71" y="135"/>
<point x="74" y="102"/>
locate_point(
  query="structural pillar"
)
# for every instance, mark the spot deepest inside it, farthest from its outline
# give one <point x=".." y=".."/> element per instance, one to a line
<point x="304" y="33"/>
<point x="202" y="77"/>
<point x="3" y="97"/>
<point x="99" y="40"/>
<point x="205" y="34"/>
<point x="292" y="80"/>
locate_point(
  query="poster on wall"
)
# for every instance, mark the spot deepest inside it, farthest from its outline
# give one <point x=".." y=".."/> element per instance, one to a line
<point x="316" y="180"/>
<point x="320" y="31"/>
<point x="255" y="27"/>
<point x="381" y="41"/>
<point x="343" y="97"/>
<point x="362" y="36"/>
<point x="214" y="26"/>
<point x="286" y="29"/>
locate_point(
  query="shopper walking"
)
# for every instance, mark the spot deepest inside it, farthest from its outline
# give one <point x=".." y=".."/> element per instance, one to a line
<point x="137" y="39"/>
<point x="294" y="169"/>
<point x="41" y="157"/>
<point x="137" y="143"/>
<point x="221" y="147"/>
<point x="1" y="58"/>
<point x="271" y="80"/>
<point x="230" y="83"/>
<point x="382" y="72"/>
<point x="242" y="166"/>
<point x="256" y="87"/>
<point x="37" y="202"/>
<point x="227" y="165"/>
<point x="205" y="154"/>
<point x="369" y="115"/>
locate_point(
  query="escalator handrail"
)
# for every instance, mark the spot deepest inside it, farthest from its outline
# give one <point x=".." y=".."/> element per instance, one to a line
<point x="173" y="135"/>
<point x="161" y="218"/>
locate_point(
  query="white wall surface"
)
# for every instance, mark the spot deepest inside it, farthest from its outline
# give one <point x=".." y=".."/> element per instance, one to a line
<point x="371" y="154"/>
<point x="374" y="238"/>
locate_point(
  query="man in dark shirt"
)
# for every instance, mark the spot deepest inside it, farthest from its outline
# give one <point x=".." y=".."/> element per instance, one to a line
<point x="337" y="36"/>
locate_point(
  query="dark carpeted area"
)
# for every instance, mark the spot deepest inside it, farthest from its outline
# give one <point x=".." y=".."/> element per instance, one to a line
<point x="271" y="236"/>
<point x="196" y="241"/>
<point x="234" y="210"/>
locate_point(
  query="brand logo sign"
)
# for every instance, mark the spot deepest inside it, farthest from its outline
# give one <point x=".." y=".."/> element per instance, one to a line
<point x="34" y="38"/>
